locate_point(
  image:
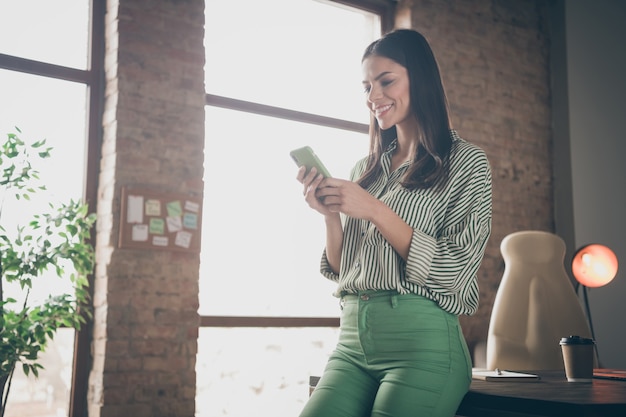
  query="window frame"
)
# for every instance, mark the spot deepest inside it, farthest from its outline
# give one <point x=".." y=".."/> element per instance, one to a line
<point x="93" y="78"/>
<point x="385" y="9"/>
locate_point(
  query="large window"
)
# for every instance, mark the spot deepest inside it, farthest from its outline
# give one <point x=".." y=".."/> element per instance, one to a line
<point x="54" y="110"/>
<point x="287" y="74"/>
<point x="49" y="75"/>
<point x="280" y="74"/>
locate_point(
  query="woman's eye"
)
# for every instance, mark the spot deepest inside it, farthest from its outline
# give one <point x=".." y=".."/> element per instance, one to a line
<point x="385" y="83"/>
<point x="366" y="89"/>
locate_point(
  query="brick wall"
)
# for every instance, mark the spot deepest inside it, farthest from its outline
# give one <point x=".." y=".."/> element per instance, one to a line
<point x="146" y="320"/>
<point x="494" y="61"/>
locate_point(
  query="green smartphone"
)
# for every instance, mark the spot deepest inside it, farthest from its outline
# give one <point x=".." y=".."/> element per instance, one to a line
<point x="305" y="156"/>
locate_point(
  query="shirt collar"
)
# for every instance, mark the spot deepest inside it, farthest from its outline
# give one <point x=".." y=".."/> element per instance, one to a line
<point x="391" y="147"/>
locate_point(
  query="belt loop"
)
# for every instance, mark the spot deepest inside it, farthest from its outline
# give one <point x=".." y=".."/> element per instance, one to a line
<point x="342" y="303"/>
<point x="394" y="301"/>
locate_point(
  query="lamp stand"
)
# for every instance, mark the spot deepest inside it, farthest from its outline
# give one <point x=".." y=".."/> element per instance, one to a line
<point x="588" y="312"/>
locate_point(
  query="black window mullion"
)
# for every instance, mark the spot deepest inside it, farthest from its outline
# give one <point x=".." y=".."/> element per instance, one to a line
<point x="14" y="63"/>
<point x="260" y="321"/>
<point x="282" y="113"/>
<point x="383" y="8"/>
<point x="95" y="101"/>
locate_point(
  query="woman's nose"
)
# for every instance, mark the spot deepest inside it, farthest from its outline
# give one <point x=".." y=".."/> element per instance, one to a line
<point x="373" y="94"/>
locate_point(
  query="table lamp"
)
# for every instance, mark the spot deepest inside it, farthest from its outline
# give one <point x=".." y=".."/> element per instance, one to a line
<point x="593" y="266"/>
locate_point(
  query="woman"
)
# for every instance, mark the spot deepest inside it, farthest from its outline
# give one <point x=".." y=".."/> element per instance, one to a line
<point x="404" y="240"/>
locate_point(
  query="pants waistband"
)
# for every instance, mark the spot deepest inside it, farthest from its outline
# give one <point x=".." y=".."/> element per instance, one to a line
<point x="367" y="295"/>
<point x="370" y="296"/>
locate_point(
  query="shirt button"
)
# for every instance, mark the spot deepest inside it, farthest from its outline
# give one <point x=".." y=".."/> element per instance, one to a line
<point x="365" y="297"/>
<point x="357" y="264"/>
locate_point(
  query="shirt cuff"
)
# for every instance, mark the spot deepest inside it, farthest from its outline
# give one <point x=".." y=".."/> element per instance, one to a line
<point x="421" y="254"/>
<point x="326" y="270"/>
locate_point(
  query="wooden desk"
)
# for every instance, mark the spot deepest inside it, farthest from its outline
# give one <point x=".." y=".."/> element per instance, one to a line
<point x="552" y="395"/>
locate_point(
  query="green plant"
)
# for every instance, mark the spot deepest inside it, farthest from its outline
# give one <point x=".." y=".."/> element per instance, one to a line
<point x="56" y="242"/>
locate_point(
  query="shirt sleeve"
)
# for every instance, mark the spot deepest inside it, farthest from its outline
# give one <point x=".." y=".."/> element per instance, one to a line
<point x="448" y="262"/>
<point x="325" y="268"/>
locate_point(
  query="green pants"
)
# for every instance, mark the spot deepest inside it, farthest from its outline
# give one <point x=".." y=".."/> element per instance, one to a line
<point x="397" y="356"/>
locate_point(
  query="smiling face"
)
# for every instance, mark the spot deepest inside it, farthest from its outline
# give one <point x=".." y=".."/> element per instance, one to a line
<point x="386" y="86"/>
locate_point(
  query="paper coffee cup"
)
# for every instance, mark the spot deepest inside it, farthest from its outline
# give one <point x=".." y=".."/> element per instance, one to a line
<point x="578" y="358"/>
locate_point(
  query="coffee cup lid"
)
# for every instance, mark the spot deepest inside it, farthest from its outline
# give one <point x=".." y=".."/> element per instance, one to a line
<point x="576" y="340"/>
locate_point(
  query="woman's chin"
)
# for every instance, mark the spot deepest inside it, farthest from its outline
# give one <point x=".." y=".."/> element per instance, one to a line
<point x="383" y="124"/>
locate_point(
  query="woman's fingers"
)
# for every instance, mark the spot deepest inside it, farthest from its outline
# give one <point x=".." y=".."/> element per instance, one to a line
<point x="344" y="196"/>
<point x="312" y="187"/>
<point x="300" y="175"/>
<point x="311" y="180"/>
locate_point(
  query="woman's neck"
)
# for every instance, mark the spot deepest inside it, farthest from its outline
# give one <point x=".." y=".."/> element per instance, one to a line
<point x="406" y="147"/>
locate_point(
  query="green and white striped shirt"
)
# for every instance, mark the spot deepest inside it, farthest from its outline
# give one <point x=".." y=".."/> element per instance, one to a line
<point x="450" y="230"/>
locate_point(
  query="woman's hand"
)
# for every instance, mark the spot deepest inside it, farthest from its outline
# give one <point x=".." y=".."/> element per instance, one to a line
<point x="341" y="196"/>
<point x="312" y="183"/>
<point x="350" y="198"/>
<point x="331" y="196"/>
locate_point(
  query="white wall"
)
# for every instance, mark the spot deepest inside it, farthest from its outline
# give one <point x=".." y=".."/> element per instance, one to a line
<point x="589" y="87"/>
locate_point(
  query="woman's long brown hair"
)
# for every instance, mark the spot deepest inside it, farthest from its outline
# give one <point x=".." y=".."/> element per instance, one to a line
<point x="429" y="105"/>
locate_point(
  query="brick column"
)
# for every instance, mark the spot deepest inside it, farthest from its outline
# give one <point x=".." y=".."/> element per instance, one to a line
<point x="146" y="320"/>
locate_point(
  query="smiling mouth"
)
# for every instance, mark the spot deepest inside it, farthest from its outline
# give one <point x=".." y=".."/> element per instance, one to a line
<point x="379" y="111"/>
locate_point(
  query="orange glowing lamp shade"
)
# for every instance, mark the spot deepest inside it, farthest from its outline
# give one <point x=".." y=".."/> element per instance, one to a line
<point x="594" y="265"/>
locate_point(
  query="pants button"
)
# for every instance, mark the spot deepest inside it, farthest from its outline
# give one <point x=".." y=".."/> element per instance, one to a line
<point x="365" y="297"/>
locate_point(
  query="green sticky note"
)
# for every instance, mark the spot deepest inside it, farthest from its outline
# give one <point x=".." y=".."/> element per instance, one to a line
<point x="174" y="209"/>
<point x="157" y="226"/>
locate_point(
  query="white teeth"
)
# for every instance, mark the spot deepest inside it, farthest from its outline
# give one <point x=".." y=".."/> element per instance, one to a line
<point x="382" y="109"/>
